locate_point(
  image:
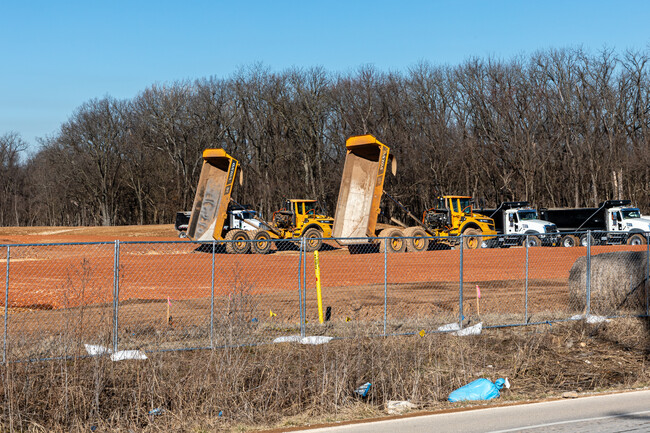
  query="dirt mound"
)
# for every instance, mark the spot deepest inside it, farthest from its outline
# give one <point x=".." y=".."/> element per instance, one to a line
<point x="14" y="235"/>
<point x="618" y="282"/>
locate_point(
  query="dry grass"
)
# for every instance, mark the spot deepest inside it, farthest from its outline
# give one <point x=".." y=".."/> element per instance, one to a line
<point x="289" y="384"/>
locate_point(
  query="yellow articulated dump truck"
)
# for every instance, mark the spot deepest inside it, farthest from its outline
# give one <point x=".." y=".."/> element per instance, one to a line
<point x="358" y="206"/>
<point x="215" y="216"/>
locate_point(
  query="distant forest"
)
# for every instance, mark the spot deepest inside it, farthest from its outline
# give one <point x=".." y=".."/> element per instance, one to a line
<point x="557" y="128"/>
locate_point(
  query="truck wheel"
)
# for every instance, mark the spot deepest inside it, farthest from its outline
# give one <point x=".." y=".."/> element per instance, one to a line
<point x="472" y="239"/>
<point x="417" y="239"/>
<point x="584" y="238"/>
<point x="237" y="242"/>
<point x="261" y="242"/>
<point x="396" y="242"/>
<point x="636" y="239"/>
<point x="533" y="241"/>
<point x="568" y="241"/>
<point x="313" y="239"/>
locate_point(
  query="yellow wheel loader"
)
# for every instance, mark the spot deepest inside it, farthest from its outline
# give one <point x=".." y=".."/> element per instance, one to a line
<point x="297" y="219"/>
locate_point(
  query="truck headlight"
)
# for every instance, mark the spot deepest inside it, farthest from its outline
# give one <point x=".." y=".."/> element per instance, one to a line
<point x="484" y="221"/>
<point x="524" y="226"/>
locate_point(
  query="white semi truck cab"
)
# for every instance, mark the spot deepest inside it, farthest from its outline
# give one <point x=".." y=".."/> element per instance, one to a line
<point x="518" y="223"/>
<point x="628" y="221"/>
<point x="239" y="217"/>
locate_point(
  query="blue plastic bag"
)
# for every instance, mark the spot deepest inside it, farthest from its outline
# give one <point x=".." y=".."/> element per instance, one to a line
<point x="480" y="389"/>
<point x="363" y="389"/>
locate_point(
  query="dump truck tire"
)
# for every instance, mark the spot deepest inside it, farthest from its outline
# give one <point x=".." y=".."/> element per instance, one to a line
<point x="585" y="238"/>
<point x="636" y="239"/>
<point x="313" y="239"/>
<point x="239" y="244"/>
<point x="532" y="241"/>
<point x="568" y="241"/>
<point x="261" y="242"/>
<point x="472" y="239"/>
<point x="417" y="239"/>
<point x="396" y="242"/>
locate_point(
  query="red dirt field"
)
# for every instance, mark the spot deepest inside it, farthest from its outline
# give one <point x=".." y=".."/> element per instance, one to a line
<point x="46" y="277"/>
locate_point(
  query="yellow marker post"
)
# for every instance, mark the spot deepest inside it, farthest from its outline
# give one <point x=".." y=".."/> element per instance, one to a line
<point x="319" y="296"/>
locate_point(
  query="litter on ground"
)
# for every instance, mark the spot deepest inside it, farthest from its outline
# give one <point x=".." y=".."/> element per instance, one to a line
<point x="480" y="389"/>
<point x="396" y="407"/>
<point x="363" y="389"/>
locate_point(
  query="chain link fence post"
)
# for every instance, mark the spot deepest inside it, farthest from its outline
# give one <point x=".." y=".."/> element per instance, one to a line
<point x="4" y="342"/>
<point x="647" y="271"/>
<point x="212" y="298"/>
<point x="116" y="292"/>
<point x="588" y="276"/>
<point x="526" y="288"/>
<point x="460" y="287"/>
<point x="385" y="284"/>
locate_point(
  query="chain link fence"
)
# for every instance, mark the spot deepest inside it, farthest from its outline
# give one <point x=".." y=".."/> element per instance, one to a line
<point x="164" y="296"/>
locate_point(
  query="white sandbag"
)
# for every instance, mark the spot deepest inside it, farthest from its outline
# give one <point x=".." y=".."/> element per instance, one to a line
<point x="94" y="350"/>
<point x="288" y="339"/>
<point x="123" y="355"/>
<point x="449" y="327"/>
<point x="317" y="339"/>
<point x="470" y="330"/>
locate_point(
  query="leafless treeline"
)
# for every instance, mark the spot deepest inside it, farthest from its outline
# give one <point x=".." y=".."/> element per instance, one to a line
<point x="559" y="128"/>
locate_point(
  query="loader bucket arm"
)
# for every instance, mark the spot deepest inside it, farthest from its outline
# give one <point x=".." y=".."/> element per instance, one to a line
<point x="209" y="211"/>
<point x="362" y="185"/>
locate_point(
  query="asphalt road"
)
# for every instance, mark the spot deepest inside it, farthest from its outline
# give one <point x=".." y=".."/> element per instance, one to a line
<point x="624" y="412"/>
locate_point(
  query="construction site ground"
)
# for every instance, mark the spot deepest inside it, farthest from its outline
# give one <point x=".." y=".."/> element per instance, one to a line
<point x="161" y="267"/>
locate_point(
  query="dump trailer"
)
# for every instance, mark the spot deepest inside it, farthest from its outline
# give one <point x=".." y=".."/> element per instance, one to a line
<point x="362" y="185"/>
<point x="357" y="209"/>
<point x="517" y="223"/>
<point x="613" y="222"/>
<point x="209" y="217"/>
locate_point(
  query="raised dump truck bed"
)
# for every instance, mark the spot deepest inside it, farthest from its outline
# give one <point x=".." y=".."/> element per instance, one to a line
<point x="209" y="211"/>
<point x="362" y="185"/>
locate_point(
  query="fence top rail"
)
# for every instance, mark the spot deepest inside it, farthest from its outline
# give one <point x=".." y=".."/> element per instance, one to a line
<point x="57" y="244"/>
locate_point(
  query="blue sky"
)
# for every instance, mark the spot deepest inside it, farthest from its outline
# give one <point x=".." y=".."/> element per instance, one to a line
<point x="57" y="55"/>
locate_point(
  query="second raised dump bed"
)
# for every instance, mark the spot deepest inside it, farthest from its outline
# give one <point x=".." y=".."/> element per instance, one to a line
<point x="362" y="186"/>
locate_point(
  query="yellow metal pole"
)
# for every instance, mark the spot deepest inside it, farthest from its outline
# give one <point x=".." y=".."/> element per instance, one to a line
<point x="318" y="291"/>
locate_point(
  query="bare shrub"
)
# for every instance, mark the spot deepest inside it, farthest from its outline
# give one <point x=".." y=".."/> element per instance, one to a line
<point x="235" y="310"/>
<point x="289" y="384"/>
